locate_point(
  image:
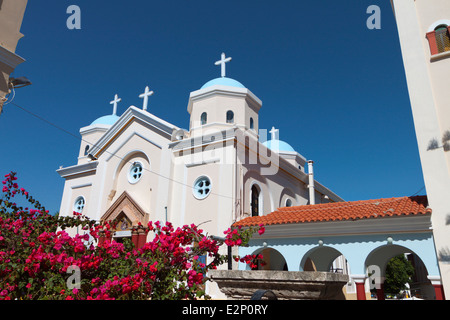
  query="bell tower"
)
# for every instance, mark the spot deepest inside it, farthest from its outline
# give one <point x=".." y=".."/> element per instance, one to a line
<point x="221" y="104"/>
<point x="423" y="28"/>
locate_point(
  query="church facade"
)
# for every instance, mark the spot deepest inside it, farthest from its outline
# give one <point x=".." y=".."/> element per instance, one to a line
<point x="138" y="168"/>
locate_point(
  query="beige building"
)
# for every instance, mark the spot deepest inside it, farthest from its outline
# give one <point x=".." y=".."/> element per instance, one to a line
<point x="423" y="27"/>
<point x="11" y="16"/>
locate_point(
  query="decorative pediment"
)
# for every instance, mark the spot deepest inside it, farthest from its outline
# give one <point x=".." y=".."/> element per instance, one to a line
<point x="132" y="114"/>
<point x="126" y="207"/>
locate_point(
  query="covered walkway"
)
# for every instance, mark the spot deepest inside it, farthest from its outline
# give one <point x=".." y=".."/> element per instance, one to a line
<point x="356" y="238"/>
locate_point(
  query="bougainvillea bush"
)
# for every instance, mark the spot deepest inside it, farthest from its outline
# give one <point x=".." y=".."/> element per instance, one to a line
<point x="40" y="260"/>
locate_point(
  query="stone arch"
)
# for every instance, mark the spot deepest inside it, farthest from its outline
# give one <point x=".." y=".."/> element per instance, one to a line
<point x="435" y="24"/>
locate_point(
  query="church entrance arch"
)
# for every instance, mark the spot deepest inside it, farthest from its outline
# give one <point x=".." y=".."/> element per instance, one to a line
<point x="273" y="260"/>
<point x="377" y="261"/>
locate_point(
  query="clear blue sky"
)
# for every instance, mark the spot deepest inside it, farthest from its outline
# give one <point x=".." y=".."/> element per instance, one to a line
<point x="334" y="88"/>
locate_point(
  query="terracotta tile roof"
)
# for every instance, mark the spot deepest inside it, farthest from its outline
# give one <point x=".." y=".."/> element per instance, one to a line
<point x="340" y="211"/>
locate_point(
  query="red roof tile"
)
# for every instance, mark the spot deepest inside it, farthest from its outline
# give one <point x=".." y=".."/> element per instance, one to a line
<point x="340" y="211"/>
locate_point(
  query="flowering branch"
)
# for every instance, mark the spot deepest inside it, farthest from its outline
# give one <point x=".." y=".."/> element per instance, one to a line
<point x="37" y="255"/>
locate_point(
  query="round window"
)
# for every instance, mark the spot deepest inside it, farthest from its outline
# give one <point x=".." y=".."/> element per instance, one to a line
<point x="202" y="187"/>
<point x="78" y="206"/>
<point x="135" y="173"/>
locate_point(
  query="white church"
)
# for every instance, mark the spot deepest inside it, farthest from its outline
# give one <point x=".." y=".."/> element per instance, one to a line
<point x="223" y="170"/>
<point x="140" y="168"/>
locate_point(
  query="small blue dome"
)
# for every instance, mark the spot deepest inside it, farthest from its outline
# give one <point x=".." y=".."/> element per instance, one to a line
<point x="223" y="82"/>
<point x="109" y="120"/>
<point x="278" y="145"/>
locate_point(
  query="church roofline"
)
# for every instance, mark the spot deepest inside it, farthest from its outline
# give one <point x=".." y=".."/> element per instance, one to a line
<point x="392" y="225"/>
<point x="253" y="100"/>
<point x="375" y="209"/>
<point x="94" y="128"/>
<point x="127" y="117"/>
<point x="10" y="58"/>
<point x="85" y="168"/>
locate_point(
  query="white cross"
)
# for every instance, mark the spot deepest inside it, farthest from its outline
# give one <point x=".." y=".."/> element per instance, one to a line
<point x="115" y="102"/>
<point x="145" y="96"/>
<point x="222" y="62"/>
<point x="274" y="133"/>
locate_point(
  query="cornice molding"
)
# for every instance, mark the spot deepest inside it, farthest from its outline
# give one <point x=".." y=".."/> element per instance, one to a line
<point x="132" y="114"/>
<point x="85" y="168"/>
<point x="9" y="58"/>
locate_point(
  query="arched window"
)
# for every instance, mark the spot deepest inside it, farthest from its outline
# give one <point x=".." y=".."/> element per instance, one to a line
<point x="255" y="201"/>
<point x="288" y="203"/>
<point x="438" y="37"/>
<point x="252" y="124"/>
<point x="442" y="38"/>
<point x="86" y="150"/>
<point x="230" y="116"/>
<point x="203" y="118"/>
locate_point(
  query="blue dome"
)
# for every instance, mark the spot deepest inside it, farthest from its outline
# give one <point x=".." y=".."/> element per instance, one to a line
<point x="278" y="145"/>
<point x="109" y="120"/>
<point x="223" y="82"/>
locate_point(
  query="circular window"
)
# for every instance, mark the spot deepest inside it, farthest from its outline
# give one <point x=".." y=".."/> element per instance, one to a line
<point x="135" y="173"/>
<point x="78" y="206"/>
<point x="202" y="187"/>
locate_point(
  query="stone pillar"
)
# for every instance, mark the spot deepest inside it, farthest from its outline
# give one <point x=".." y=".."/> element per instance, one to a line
<point x="142" y="239"/>
<point x="135" y="237"/>
<point x="438" y="287"/>
<point x="139" y="236"/>
<point x="360" y="281"/>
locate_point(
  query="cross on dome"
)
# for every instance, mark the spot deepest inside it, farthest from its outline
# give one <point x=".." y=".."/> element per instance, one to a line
<point x="145" y="96"/>
<point x="275" y="133"/>
<point x="114" y="103"/>
<point x="222" y="63"/>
